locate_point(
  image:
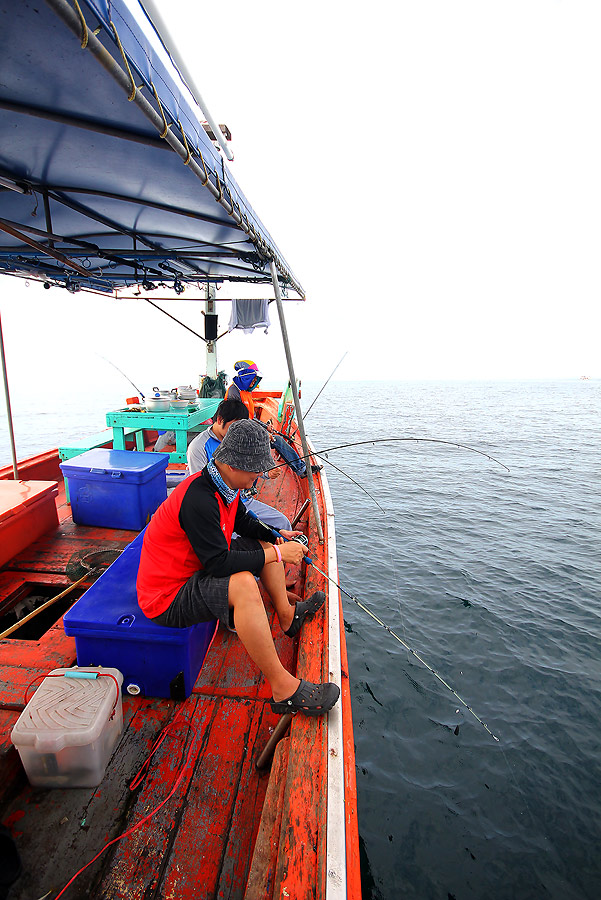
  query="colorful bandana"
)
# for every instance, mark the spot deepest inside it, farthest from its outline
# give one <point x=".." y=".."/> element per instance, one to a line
<point x="245" y="364"/>
<point x="246" y="379"/>
<point x="228" y="493"/>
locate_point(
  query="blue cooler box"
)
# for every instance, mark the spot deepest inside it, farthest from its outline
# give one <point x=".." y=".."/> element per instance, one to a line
<point x="110" y="630"/>
<point x="116" y="488"/>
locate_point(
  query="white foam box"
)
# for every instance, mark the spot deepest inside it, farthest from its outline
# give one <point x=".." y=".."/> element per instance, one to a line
<point x="67" y="732"/>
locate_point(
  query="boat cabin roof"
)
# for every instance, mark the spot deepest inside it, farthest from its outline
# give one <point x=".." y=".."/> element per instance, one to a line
<point x="108" y="176"/>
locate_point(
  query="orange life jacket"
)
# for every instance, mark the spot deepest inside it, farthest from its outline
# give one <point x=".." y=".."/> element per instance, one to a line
<point x="246" y="398"/>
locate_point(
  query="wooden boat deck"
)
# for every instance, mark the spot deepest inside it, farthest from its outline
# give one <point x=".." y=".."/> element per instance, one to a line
<point x="226" y="830"/>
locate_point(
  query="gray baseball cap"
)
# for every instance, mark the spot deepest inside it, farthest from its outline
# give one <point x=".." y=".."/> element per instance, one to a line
<point x="246" y="446"/>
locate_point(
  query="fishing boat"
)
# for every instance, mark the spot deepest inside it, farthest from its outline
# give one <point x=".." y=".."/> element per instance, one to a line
<point x="113" y="180"/>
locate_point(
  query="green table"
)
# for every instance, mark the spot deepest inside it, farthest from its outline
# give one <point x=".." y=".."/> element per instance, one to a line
<point x="179" y="421"/>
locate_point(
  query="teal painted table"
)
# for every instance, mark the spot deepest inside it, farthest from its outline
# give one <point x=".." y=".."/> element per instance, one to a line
<point x="179" y="421"/>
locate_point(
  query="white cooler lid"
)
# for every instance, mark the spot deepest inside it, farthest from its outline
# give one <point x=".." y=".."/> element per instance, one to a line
<point x="68" y="711"/>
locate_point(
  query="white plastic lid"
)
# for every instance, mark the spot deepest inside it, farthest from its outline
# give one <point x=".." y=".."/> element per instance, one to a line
<point x="68" y="711"/>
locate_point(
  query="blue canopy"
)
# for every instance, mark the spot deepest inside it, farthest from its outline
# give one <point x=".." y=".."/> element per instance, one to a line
<point x="107" y="176"/>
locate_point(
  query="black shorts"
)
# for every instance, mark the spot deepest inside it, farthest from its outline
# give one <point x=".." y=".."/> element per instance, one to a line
<point x="204" y="597"/>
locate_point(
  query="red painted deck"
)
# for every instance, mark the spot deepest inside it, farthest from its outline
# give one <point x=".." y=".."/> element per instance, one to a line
<point x="227" y="831"/>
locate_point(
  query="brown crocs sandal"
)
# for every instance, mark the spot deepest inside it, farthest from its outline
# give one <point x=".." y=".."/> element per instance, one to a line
<point x="306" y="609"/>
<point x="310" y="699"/>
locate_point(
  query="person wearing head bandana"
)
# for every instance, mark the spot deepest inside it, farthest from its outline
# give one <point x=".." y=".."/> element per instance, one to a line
<point x="244" y="382"/>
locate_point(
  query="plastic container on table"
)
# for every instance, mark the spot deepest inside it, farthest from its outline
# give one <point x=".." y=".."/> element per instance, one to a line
<point x="67" y="732"/>
<point x="116" y="488"/>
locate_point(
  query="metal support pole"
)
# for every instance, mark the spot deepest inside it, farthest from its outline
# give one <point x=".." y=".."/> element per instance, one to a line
<point x="299" y="415"/>
<point x="211" y="351"/>
<point x="153" y="12"/>
<point x="8" y="409"/>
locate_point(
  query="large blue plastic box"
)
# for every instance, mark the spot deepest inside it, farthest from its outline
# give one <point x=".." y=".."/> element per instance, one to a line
<point x="116" y="488"/>
<point x="110" y="630"/>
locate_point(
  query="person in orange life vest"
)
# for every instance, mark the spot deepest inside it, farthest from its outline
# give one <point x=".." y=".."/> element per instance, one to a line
<point x="245" y="380"/>
<point x="243" y="383"/>
<point x="191" y="570"/>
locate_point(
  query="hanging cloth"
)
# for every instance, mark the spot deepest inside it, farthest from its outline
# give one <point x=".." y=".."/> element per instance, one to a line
<point x="249" y="314"/>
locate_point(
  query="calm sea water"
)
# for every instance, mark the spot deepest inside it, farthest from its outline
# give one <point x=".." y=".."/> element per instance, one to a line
<point x="493" y="577"/>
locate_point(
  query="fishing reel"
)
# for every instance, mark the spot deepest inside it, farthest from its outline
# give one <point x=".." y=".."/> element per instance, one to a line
<point x="302" y="539"/>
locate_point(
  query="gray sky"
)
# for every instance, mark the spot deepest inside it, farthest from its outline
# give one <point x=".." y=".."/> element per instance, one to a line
<point x="429" y="169"/>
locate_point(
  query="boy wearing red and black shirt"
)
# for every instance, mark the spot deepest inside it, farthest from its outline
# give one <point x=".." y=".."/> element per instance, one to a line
<point x="192" y="571"/>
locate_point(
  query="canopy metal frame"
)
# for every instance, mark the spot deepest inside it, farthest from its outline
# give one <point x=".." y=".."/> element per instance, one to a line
<point x="125" y="80"/>
<point x="131" y="71"/>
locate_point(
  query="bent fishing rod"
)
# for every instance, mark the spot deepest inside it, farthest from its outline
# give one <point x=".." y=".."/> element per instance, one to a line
<point x="302" y="539"/>
<point x="322" y="453"/>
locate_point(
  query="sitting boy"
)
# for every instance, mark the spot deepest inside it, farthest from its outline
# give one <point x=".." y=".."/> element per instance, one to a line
<point x="204" y="445"/>
<point x="192" y="571"/>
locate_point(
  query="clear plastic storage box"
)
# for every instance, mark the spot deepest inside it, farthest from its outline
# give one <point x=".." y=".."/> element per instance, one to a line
<point x="67" y="732"/>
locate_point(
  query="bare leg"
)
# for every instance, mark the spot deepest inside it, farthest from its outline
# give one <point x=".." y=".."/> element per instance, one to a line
<point x="253" y="630"/>
<point x="273" y="579"/>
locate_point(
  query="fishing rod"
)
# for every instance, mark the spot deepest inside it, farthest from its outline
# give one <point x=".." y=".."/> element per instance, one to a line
<point x="325" y="383"/>
<point x="302" y="539"/>
<point x="417" y="439"/>
<point x="322" y="455"/>
<point x="122" y="373"/>
<point x="325" y="450"/>
<point x="290" y="440"/>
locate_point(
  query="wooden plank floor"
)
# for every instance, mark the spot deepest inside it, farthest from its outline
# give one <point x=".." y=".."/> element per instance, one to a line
<point x="200" y="843"/>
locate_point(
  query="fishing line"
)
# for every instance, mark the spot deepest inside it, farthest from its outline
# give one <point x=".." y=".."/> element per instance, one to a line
<point x="512" y="770"/>
<point x="309" y="561"/>
<point x="406" y="646"/>
<point x="292" y="443"/>
<point x="320" y="454"/>
<point x="360" y="486"/>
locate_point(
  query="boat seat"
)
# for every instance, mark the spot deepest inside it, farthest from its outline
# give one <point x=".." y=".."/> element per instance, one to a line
<point x="110" y="628"/>
<point x="92" y="441"/>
